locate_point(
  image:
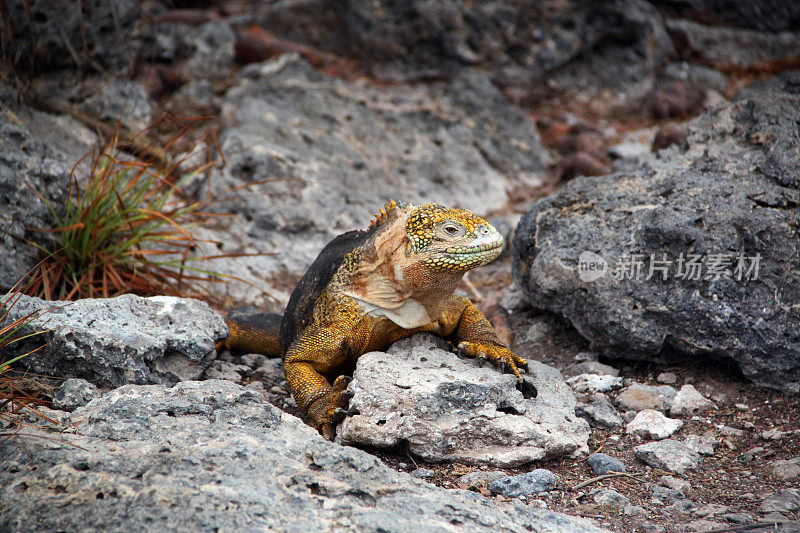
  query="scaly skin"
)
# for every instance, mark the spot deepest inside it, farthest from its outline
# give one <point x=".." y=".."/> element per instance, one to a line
<point x="395" y="280"/>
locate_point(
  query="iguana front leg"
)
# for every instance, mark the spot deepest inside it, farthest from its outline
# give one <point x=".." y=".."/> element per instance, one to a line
<point x="475" y="337"/>
<point x="315" y="354"/>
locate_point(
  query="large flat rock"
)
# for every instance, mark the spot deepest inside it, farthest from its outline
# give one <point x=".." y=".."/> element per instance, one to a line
<point x="729" y="203"/>
<point x="211" y="456"/>
<point x="442" y="407"/>
<point x="115" y="341"/>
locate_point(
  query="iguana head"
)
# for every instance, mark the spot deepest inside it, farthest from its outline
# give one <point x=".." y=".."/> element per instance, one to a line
<point x="442" y="238"/>
<point x="448" y="239"/>
<point x="413" y="259"/>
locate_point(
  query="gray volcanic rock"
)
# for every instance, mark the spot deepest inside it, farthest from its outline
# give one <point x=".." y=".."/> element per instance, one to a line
<point x="688" y="402"/>
<point x="669" y="455"/>
<point x="611" y="498"/>
<point x="122" y="101"/>
<point x="763" y="15"/>
<point x="56" y="35"/>
<point x="638" y="396"/>
<point x="442" y="407"/>
<point x="523" y="44"/>
<point x="729" y="204"/>
<point x="602" y="464"/>
<point x="333" y="152"/>
<point x="114" y="341"/>
<point x="212" y="455"/>
<point x="733" y="46"/>
<point x="37" y="154"/>
<point x="782" y="500"/>
<point x="74" y="393"/>
<point x="599" y="412"/>
<point x="527" y="484"/>
<point x="651" y="423"/>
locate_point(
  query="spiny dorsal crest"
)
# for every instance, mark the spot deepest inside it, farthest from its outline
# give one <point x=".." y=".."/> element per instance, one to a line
<point x="386" y="213"/>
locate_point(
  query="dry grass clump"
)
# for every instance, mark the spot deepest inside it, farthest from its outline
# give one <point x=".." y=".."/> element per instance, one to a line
<point x="18" y="400"/>
<point x="124" y="228"/>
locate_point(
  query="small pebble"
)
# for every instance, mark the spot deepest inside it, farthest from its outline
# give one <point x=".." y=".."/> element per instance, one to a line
<point x="423" y="473"/>
<point x="702" y="444"/>
<point x="677" y="484"/>
<point x="602" y="464"/>
<point x="681" y="506"/>
<point x="784" y="500"/>
<point x="74" y="393"/>
<point x="703" y="525"/>
<point x="594" y="367"/>
<point x="787" y="470"/>
<point x="253" y="360"/>
<point x="688" y="401"/>
<point x="611" y="498"/>
<point x="773" y="434"/>
<point x="539" y="332"/>
<point x="652" y="424"/>
<point x="667" y="378"/>
<point x="533" y="482"/>
<point x="599" y="412"/>
<point x="587" y="356"/>
<point x="665" y="494"/>
<point x="638" y="397"/>
<point x="594" y="383"/>
<point x="481" y="478"/>
<point x="711" y="509"/>
<point x="731" y="432"/>
<point x="669" y="455"/>
<point x="738" y="518"/>
<point x="633" y="510"/>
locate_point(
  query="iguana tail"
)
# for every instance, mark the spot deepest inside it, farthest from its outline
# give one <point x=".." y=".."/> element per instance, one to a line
<point x="251" y="331"/>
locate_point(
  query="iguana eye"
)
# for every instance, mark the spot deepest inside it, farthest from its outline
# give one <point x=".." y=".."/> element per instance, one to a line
<point x="450" y="230"/>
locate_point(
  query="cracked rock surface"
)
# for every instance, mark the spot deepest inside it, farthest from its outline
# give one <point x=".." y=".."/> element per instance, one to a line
<point x="733" y="192"/>
<point x="212" y="455"/>
<point x="114" y="341"/>
<point x="446" y="408"/>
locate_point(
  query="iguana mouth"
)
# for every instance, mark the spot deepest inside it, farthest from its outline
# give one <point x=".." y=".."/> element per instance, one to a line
<point x="462" y="250"/>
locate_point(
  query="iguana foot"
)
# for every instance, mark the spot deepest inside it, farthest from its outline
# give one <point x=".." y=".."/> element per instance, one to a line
<point x="326" y="412"/>
<point x="498" y="355"/>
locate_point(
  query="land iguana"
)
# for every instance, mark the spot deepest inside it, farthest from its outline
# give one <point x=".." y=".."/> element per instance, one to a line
<point x="368" y="289"/>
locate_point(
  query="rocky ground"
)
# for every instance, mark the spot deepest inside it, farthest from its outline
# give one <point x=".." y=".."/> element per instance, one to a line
<point x="735" y="460"/>
<point x="649" y="129"/>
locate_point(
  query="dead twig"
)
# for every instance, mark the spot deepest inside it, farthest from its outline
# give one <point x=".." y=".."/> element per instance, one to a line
<point x="412" y="460"/>
<point x="9" y="435"/>
<point x="605" y="476"/>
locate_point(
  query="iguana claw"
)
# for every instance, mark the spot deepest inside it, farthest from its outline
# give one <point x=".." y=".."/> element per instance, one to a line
<point x="334" y="406"/>
<point x="496" y="353"/>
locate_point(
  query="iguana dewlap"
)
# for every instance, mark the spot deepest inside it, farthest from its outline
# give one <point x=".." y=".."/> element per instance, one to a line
<point x="368" y="289"/>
